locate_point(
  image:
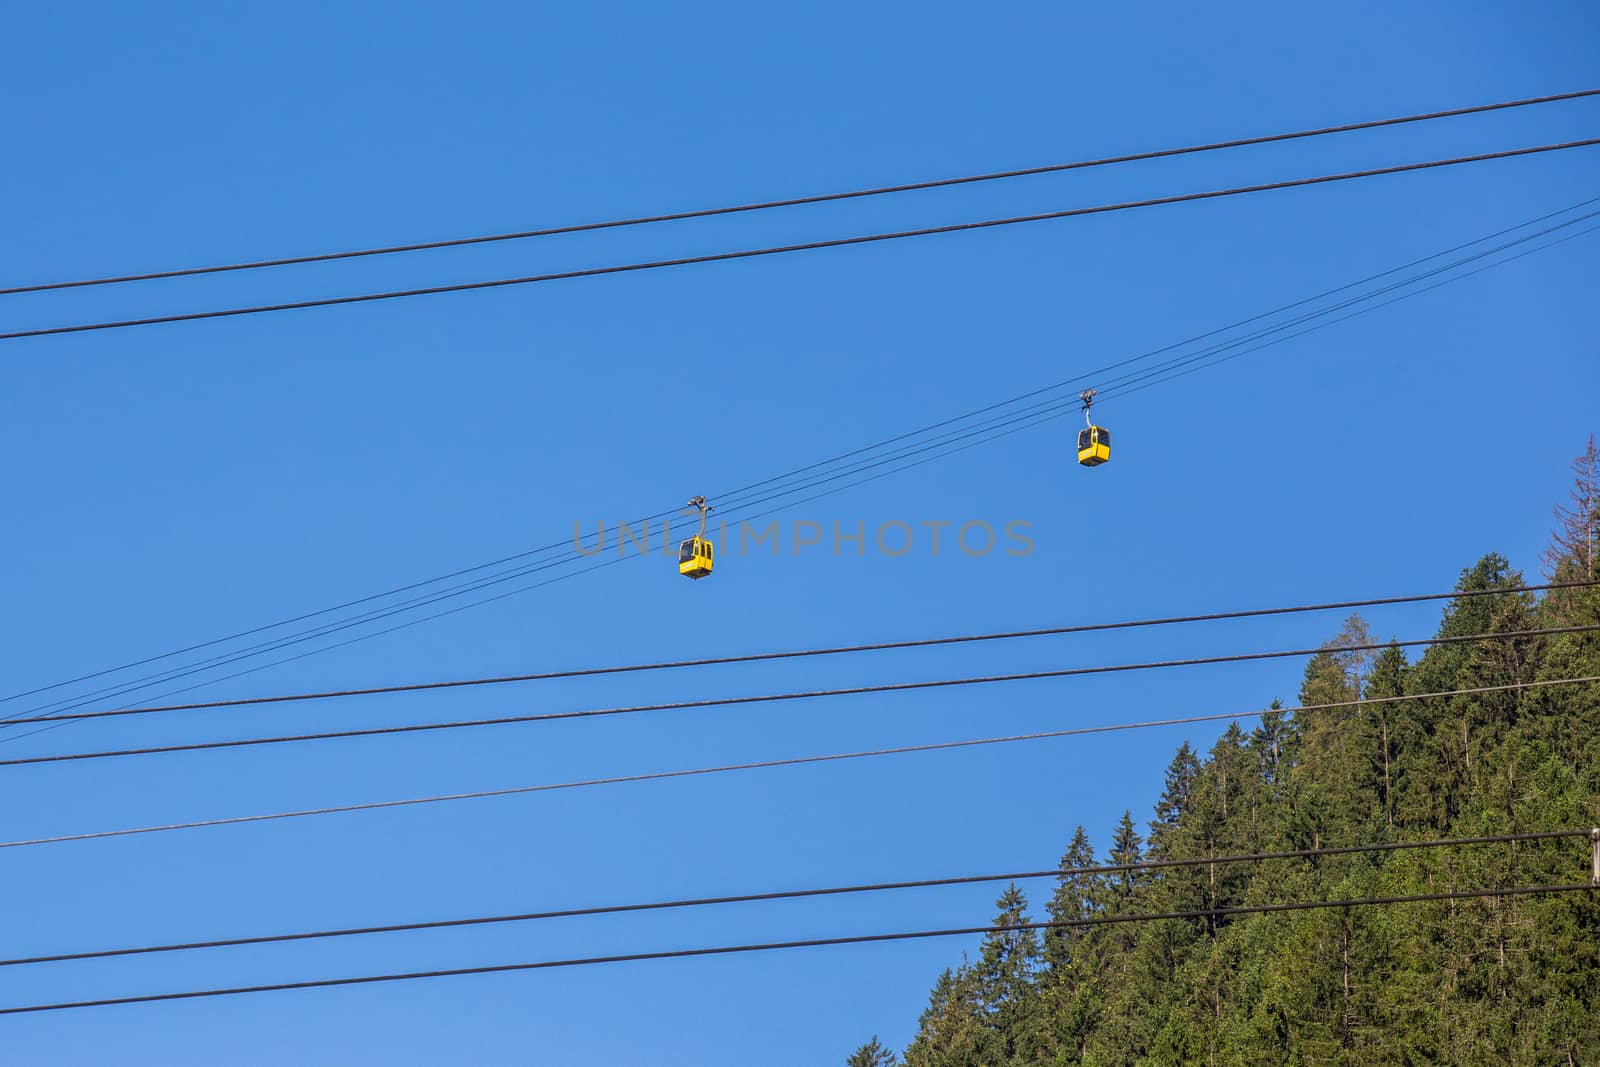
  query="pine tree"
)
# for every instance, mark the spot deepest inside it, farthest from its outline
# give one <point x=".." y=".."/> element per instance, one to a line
<point x="1072" y="900"/>
<point x="1444" y="779"/>
<point x="1006" y="968"/>
<point x="872" y="1054"/>
<point x="1181" y="773"/>
<point x="1219" y="817"/>
<point x="1335" y="739"/>
<point x="950" y="1032"/>
<point x="1125" y="842"/>
<point x="1113" y="894"/>
<point x="1269" y="741"/>
<point x="1399" y="733"/>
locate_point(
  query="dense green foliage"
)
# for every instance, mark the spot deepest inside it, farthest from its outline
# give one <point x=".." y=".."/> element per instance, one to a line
<point x="1465" y="982"/>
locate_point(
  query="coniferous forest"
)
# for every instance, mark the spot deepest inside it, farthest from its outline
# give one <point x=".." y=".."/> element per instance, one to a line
<point x="1494" y="981"/>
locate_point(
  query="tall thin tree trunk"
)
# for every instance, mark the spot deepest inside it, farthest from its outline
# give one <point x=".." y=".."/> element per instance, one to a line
<point x="1211" y="889"/>
<point x="1344" y="953"/>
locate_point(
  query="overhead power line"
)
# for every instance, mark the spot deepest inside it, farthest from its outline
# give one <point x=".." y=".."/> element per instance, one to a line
<point x="806" y="246"/>
<point x="796" y="894"/>
<point x="679" y="216"/>
<point x="802" y="653"/>
<point x="767" y="698"/>
<point x="794" y="761"/>
<point x="948" y="444"/>
<point x="822" y="942"/>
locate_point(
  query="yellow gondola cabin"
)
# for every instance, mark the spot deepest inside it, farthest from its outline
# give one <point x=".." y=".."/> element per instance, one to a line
<point x="694" y="557"/>
<point x="1094" y="445"/>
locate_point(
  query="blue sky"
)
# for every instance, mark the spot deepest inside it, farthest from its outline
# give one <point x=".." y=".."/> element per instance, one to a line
<point x="171" y="484"/>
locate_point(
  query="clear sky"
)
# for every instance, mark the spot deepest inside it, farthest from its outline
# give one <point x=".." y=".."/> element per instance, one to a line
<point x="172" y="484"/>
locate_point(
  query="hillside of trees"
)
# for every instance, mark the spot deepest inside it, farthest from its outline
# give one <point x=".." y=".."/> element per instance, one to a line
<point x="1496" y="981"/>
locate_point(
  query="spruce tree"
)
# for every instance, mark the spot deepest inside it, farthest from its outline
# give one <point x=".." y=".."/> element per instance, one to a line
<point x="1269" y="742"/>
<point x="1181" y="773"/>
<point x="950" y="1032"/>
<point x="1072" y="900"/>
<point x="872" y="1054"/>
<point x="1006" y="969"/>
<point x="1114" y="894"/>
<point x="1397" y="729"/>
<point x="1125" y="842"/>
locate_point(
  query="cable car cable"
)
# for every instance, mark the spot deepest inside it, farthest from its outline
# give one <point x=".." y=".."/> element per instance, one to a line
<point x="1180" y="360"/>
<point x="1166" y="348"/>
<point x="522" y="589"/>
<point x="1064" y="403"/>
<point x="326" y="648"/>
<point x="250" y="651"/>
<point x="1495" y="892"/>
<point x="1131" y="387"/>
<point x="805" y="246"/>
<point x="83" y="699"/>
<point x="797" y="894"/>
<point x="679" y="216"/>
<point x="302" y="617"/>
